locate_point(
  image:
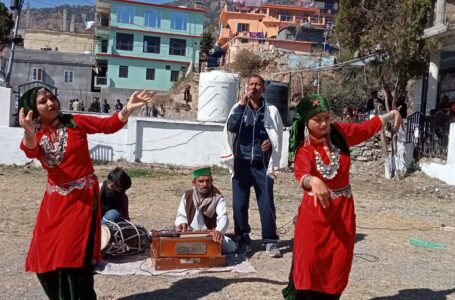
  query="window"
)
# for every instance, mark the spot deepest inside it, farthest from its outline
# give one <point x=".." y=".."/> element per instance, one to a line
<point x="37" y="74"/>
<point x="243" y="27"/>
<point x="104" y="46"/>
<point x="174" y="76"/>
<point x="152" y="18"/>
<point x="150" y="74"/>
<point x="168" y="67"/>
<point x="124" y="41"/>
<point x="125" y="14"/>
<point x="123" y="72"/>
<point x="68" y="76"/>
<point x="328" y="4"/>
<point x="178" y="21"/>
<point x="152" y="44"/>
<point x="177" y="47"/>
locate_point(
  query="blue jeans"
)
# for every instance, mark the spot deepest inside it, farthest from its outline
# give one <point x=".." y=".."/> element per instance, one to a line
<point x="112" y="215"/>
<point x="253" y="174"/>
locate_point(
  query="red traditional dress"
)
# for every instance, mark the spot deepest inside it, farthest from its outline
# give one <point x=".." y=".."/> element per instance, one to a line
<point x="324" y="238"/>
<point x="63" y="224"/>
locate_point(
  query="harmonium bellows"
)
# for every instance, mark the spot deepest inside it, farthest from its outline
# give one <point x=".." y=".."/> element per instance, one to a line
<point x="185" y="250"/>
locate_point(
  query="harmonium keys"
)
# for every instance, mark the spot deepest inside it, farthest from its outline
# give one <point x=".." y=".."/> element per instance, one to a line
<point x="185" y="250"/>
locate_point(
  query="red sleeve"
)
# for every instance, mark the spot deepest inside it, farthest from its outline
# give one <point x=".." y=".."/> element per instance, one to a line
<point x="302" y="163"/>
<point x="30" y="153"/>
<point x="356" y="133"/>
<point x="94" y="124"/>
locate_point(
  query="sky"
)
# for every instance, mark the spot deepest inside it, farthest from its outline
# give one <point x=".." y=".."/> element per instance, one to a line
<point x="53" y="3"/>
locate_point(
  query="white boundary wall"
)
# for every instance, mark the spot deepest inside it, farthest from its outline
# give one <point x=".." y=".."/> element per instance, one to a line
<point x="183" y="143"/>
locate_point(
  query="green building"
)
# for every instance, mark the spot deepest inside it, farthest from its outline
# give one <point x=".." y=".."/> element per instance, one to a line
<point x="140" y="45"/>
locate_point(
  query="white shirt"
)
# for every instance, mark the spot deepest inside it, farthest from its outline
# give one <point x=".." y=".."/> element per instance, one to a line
<point x="198" y="220"/>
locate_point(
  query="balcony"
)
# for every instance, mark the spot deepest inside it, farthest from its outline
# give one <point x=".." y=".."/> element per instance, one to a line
<point x="101" y="81"/>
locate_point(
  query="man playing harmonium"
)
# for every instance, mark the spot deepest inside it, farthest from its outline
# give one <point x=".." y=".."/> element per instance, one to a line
<point x="204" y="208"/>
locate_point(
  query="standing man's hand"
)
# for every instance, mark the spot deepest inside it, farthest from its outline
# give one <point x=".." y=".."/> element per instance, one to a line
<point x="265" y="146"/>
<point x="217" y="236"/>
<point x="249" y="93"/>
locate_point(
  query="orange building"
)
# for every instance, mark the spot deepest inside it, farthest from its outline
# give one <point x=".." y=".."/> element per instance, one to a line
<point x="240" y="26"/>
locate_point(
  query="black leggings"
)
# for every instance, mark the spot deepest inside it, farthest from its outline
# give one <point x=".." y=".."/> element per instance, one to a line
<point x="314" y="295"/>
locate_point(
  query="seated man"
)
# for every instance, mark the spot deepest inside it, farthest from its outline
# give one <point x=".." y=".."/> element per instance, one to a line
<point x="203" y="207"/>
<point x="114" y="201"/>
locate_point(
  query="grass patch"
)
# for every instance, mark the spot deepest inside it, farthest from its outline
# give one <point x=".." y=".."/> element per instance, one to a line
<point x="149" y="173"/>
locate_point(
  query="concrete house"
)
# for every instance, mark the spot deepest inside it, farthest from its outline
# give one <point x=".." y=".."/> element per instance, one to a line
<point x="141" y="45"/>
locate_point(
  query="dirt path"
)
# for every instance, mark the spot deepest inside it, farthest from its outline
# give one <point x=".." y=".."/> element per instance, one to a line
<point x="385" y="266"/>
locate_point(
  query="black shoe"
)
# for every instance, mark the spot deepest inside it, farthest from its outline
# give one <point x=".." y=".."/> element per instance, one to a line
<point x="244" y="244"/>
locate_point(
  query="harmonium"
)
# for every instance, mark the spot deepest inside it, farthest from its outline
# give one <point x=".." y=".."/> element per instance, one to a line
<point x="184" y="250"/>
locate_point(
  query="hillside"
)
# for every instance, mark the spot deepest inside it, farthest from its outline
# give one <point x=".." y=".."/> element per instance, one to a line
<point x="52" y="18"/>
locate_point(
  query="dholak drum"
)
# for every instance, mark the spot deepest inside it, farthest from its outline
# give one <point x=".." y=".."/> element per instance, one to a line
<point x="123" y="238"/>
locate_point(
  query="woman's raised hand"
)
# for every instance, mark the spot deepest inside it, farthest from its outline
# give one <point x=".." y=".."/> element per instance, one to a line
<point x="138" y="99"/>
<point x="26" y="121"/>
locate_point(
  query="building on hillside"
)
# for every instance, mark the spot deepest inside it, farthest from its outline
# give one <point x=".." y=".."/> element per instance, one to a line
<point x="263" y="27"/>
<point x="140" y="45"/>
<point x="70" y="73"/>
<point x="434" y="99"/>
<point x="35" y="39"/>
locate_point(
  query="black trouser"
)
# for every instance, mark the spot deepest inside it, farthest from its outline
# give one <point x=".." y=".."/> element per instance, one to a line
<point x="72" y="283"/>
<point x="314" y="295"/>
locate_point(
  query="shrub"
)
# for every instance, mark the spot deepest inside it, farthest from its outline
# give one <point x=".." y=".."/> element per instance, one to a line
<point x="246" y="63"/>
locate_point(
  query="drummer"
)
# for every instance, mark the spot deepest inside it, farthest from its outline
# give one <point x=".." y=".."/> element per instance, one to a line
<point x="203" y="208"/>
<point x="114" y="200"/>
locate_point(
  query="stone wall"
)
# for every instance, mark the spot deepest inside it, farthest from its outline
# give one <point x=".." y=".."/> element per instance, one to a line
<point x="367" y="151"/>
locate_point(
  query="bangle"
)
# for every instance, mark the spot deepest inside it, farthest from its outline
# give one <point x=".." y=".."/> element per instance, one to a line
<point x="305" y="181"/>
<point x="125" y="112"/>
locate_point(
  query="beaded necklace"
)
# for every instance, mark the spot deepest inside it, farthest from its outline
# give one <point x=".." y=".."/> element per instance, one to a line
<point x="331" y="170"/>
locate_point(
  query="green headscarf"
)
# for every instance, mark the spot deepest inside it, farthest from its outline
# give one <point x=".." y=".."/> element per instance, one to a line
<point x="308" y="107"/>
<point x="28" y="102"/>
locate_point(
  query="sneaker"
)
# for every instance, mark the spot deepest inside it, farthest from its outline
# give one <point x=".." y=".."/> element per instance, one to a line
<point x="272" y="250"/>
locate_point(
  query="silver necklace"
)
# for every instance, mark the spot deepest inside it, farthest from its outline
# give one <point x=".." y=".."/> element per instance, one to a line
<point x="331" y="170"/>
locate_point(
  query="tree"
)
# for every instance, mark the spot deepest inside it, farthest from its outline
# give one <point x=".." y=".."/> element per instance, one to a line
<point x="206" y="42"/>
<point x="6" y="24"/>
<point x="393" y="29"/>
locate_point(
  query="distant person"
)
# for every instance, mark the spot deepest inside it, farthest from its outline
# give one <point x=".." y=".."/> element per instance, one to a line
<point x="106" y="107"/>
<point x="187" y="94"/>
<point x="118" y="106"/>
<point x="375" y="105"/>
<point x="70" y="105"/>
<point x="153" y="111"/>
<point x="76" y="105"/>
<point x="95" y="105"/>
<point x="145" y="111"/>
<point x="402" y="107"/>
<point x="162" y="111"/>
<point x="82" y="106"/>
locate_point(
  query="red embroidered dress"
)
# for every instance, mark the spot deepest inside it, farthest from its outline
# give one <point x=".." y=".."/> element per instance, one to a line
<point x="63" y="223"/>
<point x="324" y="238"/>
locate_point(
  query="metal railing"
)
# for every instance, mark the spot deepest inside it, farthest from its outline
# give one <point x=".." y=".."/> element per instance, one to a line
<point x="429" y="134"/>
<point x="101" y="81"/>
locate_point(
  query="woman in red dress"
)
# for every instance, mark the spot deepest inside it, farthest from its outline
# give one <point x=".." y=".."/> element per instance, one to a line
<point x="67" y="232"/>
<point x="325" y="229"/>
